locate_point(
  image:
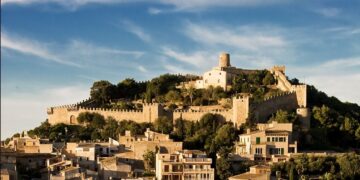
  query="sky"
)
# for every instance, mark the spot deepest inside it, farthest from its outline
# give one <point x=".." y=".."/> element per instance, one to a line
<point x="53" y="50"/>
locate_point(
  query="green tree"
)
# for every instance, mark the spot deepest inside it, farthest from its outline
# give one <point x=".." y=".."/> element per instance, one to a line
<point x="325" y="116"/>
<point x="102" y="92"/>
<point x="130" y="89"/>
<point x="109" y="130"/>
<point x="357" y="134"/>
<point x="268" y="79"/>
<point x="282" y="116"/>
<point x="149" y="160"/>
<point x="223" y="168"/>
<point x="349" y="166"/>
<point x="225" y="137"/>
<point x="179" y="129"/>
<point x="173" y="96"/>
<point x="163" y="124"/>
<point x="189" y="92"/>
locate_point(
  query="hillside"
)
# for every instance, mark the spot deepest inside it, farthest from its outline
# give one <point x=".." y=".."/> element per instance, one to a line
<point x="330" y="117"/>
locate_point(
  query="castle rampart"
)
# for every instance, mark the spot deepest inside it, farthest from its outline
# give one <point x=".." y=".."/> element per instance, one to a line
<point x="243" y="110"/>
<point x="69" y="113"/>
<point x="192" y="115"/>
<point x="263" y="110"/>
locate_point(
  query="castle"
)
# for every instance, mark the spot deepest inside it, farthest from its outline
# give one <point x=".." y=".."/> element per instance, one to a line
<point x="243" y="108"/>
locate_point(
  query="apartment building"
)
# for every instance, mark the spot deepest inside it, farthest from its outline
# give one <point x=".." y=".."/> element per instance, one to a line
<point x="137" y="145"/>
<point x="270" y="142"/>
<point x="183" y="165"/>
<point x="27" y="144"/>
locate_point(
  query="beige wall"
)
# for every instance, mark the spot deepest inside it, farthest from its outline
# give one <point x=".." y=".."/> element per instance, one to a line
<point x="149" y="113"/>
<point x="263" y="110"/>
<point x="192" y="115"/>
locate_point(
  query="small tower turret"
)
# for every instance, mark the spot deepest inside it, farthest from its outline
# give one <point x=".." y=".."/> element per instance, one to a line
<point x="224" y="60"/>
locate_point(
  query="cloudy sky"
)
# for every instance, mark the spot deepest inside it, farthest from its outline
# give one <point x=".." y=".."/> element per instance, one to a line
<point x="52" y="50"/>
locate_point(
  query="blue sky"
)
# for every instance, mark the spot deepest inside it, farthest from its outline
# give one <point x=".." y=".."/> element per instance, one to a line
<point x="52" y="50"/>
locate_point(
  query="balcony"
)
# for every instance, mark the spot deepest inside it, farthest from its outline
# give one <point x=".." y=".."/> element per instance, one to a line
<point x="198" y="170"/>
<point x="197" y="160"/>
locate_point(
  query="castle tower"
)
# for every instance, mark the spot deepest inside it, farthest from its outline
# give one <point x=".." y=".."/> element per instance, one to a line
<point x="224" y="60"/>
<point x="304" y="115"/>
<point x="241" y="109"/>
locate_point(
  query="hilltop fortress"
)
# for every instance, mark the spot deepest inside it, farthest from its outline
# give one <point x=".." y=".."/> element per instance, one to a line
<point x="293" y="97"/>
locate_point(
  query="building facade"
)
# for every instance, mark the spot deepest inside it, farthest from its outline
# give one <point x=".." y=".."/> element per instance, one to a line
<point x="292" y="97"/>
<point x="270" y="142"/>
<point x="151" y="141"/>
<point x="184" y="165"/>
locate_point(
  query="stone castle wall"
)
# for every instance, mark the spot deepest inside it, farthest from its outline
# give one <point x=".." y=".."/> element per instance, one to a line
<point x="242" y="111"/>
<point x="193" y="115"/>
<point x="69" y="114"/>
<point x="263" y="110"/>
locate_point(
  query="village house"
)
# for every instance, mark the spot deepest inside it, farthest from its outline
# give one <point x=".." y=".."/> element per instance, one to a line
<point x="270" y="142"/>
<point x="137" y="145"/>
<point x="257" y="172"/>
<point x="27" y="144"/>
<point x="184" y="165"/>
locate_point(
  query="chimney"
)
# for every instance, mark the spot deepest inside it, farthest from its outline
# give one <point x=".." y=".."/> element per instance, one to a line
<point x="248" y="131"/>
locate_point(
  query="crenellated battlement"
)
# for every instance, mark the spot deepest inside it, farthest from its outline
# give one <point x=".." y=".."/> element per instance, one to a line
<point x="71" y="105"/>
<point x="202" y="111"/>
<point x="110" y="110"/>
<point x="280" y="68"/>
<point x="274" y="97"/>
<point x="151" y="104"/>
<point x="243" y="109"/>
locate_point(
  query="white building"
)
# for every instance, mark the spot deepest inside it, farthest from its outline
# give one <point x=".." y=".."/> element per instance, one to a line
<point x="270" y="142"/>
<point x="221" y="75"/>
<point x="183" y="165"/>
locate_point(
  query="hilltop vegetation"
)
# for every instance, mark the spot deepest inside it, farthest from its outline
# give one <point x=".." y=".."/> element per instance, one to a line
<point x="163" y="89"/>
<point x="330" y="117"/>
<point x="330" y="120"/>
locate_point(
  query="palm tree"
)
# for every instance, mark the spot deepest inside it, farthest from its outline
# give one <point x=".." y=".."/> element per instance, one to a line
<point x="189" y="92"/>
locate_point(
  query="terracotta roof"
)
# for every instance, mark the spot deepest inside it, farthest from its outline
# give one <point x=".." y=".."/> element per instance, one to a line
<point x="247" y="176"/>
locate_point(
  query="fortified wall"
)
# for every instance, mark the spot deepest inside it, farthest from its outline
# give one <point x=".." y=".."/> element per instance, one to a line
<point x="193" y="115"/>
<point x="243" y="109"/>
<point x="68" y="114"/>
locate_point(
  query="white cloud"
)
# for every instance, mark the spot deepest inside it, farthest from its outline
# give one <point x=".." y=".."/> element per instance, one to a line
<point x="89" y="49"/>
<point x="336" y="77"/>
<point x="24" y="111"/>
<point x="142" y="69"/>
<point x="345" y="87"/>
<point x="32" y="47"/>
<point x="196" y="5"/>
<point x="245" y="37"/>
<point x="136" y="30"/>
<point x="178" y="5"/>
<point x="342" y="63"/>
<point x="69" y="4"/>
<point x="199" y="59"/>
<point x="75" y="53"/>
<point x="177" y="69"/>
<point x="328" y="12"/>
<point x="153" y="10"/>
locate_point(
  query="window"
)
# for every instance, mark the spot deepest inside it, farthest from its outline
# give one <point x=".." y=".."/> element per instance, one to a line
<point x="166" y="168"/>
<point x="273" y="139"/>
<point x="268" y="139"/>
<point x="258" y="150"/>
<point x="257" y="140"/>
<point x="291" y="150"/>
